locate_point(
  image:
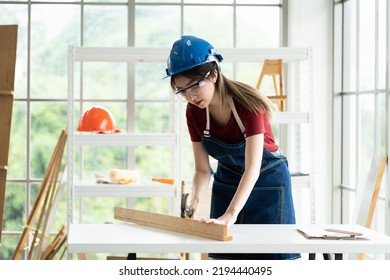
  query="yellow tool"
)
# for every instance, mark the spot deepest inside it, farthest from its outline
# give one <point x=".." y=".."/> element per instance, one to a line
<point x="125" y="181"/>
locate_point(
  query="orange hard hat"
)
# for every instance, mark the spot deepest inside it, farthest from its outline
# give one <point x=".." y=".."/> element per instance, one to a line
<point x="97" y="119"/>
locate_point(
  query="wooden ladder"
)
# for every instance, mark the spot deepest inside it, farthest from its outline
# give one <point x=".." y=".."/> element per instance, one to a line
<point x="274" y="68"/>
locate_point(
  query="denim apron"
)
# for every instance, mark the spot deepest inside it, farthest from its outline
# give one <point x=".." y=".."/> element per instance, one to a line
<point x="270" y="201"/>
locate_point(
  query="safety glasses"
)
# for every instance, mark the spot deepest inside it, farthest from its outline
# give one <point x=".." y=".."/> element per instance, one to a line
<point x="193" y="89"/>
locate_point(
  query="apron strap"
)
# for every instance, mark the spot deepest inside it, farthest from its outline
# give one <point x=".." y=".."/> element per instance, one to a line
<point x="236" y="116"/>
<point x="206" y="132"/>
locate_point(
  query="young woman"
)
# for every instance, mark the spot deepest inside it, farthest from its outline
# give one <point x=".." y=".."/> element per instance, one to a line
<point x="230" y="121"/>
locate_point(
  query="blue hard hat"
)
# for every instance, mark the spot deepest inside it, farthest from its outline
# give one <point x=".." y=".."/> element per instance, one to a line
<point x="189" y="52"/>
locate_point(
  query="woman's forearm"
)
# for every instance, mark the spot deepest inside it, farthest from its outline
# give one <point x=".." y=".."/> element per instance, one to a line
<point x="200" y="183"/>
<point x="244" y="190"/>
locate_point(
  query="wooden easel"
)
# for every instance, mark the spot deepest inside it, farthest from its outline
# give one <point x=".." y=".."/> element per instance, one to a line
<point x="55" y="245"/>
<point x="43" y="199"/>
<point x="366" y="206"/>
<point x="8" y="41"/>
<point x="274" y="68"/>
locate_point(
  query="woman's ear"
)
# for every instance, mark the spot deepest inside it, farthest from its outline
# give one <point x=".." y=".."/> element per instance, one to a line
<point x="214" y="76"/>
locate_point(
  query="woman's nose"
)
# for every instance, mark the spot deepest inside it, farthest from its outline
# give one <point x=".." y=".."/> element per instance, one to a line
<point x="191" y="97"/>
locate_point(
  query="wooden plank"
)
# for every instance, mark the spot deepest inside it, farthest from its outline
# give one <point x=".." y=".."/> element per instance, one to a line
<point x="8" y="35"/>
<point x="375" y="194"/>
<point x="366" y="202"/>
<point x="374" y="198"/>
<point x="8" y="41"/>
<point x="55" y="245"/>
<point x="175" y="224"/>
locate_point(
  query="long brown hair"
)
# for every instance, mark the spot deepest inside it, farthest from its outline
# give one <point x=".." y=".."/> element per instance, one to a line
<point x="247" y="95"/>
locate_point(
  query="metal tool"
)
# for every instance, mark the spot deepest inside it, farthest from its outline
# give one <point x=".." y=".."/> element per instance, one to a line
<point x="186" y="211"/>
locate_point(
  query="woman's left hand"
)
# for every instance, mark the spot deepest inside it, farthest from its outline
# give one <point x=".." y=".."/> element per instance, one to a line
<point x="223" y="220"/>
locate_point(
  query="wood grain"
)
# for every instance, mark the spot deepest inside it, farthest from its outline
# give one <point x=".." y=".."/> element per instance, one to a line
<point x="172" y="223"/>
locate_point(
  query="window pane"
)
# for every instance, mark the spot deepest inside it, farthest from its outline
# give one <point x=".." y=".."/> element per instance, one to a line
<point x="59" y="1"/>
<point x="349" y="43"/>
<point x="249" y="73"/>
<point x="153" y="204"/>
<point x="217" y="29"/>
<point x="105" y="80"/>
<point x="18" y="142"/>
<point x="101" y="160"/>
<point x="14" y="207"/>
<point x="42" y="72"/>
<point x="366" y="134"/>
<point x="258" y="27"/>
<point x="337" y="51"/>
<point x="382" y="44"/>
<point x="149" y="82"/>
<point x="152" y="117"/>
<point x="302" y="214"/>
<point x="95" y="209"/>
<point x="348" y="206"/>
<point x="8" y="245"/>
<point x="105" y="26"/>
<point x="366" y="45"/>
<point x="157" y="1"/>
<point x="381" y="107"/>
<point x="157" y="26"/>
<point x="48" y="119"/>
<point x="106" y="1"/>
<point x="377" y="221"/>
<point x="209" y="2"/>
<point x="154" y="162"/>
<point x="17" y="14"/>
<point x="258" y="2"/>
<point x="349" y="141"/>
<point x="54" y="27"/>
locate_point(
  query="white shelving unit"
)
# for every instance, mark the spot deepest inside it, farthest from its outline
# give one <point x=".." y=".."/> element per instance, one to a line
<point x="79" y="189"/>
<point x="144" y="188"/>
<point x="83" y="189"/>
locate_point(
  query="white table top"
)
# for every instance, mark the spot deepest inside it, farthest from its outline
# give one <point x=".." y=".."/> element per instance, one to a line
<point x="132" y="238"/>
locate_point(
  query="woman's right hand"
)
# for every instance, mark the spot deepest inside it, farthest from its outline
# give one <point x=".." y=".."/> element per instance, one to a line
<point x="195" y="209"/>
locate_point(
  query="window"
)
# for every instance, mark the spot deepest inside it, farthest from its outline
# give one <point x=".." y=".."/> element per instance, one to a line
<point x="46" y="28"/>
<point x="361" y="29"/>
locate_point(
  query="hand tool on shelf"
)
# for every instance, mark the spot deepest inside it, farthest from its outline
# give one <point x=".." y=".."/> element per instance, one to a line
<point x="168" y="181"/>
<point x="123" y="176"/>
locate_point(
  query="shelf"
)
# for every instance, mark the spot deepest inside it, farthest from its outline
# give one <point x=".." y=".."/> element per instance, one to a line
<point x="144" y="189"/>
<point x="128" y="139"/>
<point x="172" y="139"/>
<point x="301" y="182"/>
<point x="134" y="54"/>
<point x="165" y="139"/>
<point x="291" y="117"/>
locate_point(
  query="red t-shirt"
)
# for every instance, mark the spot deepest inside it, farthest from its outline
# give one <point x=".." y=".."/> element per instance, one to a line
<point x="254" y="123"/>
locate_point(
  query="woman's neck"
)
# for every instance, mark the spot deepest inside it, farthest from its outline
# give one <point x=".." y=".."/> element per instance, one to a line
<point x="220" y="113"/>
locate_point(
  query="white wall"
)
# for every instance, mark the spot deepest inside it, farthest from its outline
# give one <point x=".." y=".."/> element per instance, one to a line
<point x="310" y="25"/>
